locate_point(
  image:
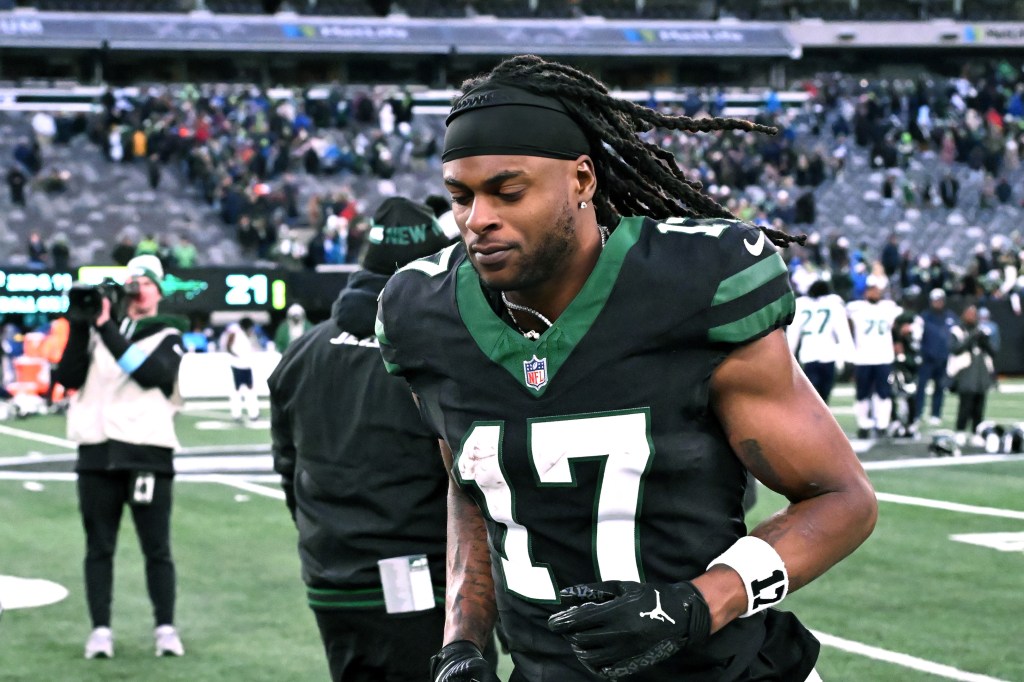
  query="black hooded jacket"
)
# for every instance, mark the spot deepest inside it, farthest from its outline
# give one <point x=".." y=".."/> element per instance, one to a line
<point x="363" y="475"/>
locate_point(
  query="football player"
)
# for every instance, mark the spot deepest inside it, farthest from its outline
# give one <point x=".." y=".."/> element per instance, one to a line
<point x="820" y="336"/>
<point x="872" y="319"/>
<point x="603" y="358"/>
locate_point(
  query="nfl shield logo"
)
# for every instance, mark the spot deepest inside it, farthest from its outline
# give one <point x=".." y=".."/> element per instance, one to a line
<point x="536" y="371"/>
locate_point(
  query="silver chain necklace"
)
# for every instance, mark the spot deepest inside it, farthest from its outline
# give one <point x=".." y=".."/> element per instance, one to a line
<point x="510" y="306"/>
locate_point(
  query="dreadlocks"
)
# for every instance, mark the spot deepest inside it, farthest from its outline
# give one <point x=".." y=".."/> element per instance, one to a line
<point x="634" y="177"/>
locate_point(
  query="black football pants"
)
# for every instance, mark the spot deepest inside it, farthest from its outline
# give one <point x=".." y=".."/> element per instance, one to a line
<point x="374" y="646"/>
<point x="102" y="497"/>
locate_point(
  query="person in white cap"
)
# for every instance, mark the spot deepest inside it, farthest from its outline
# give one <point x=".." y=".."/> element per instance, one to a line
<point x="125" y="376"/>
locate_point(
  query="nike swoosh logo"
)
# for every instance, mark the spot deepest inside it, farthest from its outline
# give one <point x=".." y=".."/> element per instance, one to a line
<point x="757" y="247"/>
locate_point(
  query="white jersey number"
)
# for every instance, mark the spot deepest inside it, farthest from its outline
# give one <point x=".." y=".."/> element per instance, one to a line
<point x="620" y="441"/>
<point x="806" y="328"/>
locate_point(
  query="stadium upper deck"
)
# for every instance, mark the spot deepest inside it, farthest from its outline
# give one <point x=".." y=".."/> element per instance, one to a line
<point x="746" y="10"/>
<point x="630" y="43"/>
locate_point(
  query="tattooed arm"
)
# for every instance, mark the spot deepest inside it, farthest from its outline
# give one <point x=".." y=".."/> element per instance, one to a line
<point x="470" y="610"/>
<point x="787" y="437"/>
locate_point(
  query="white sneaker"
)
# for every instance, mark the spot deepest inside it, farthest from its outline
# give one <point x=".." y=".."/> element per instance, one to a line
<point x="935" y="421"/>
<point x="100" y="643"/>
<point x="167" y="641"/>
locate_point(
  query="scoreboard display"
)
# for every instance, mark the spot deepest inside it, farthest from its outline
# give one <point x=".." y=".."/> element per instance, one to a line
<point x="204" y="289"/>
<point x="26" y="292"/>
<point x="194" y="291"/>
<point x="200" y="290"/>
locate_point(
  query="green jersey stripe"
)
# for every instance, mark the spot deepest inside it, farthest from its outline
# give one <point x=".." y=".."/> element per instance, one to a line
<point x="378" y="329"/>
<point x="345" y="604"/>
<point x="350" y="599"/>
<point x="745" y="281"/>
<point x="355" y="599"/>
<point x="507" y="347"/>
<point x="750" y="326"/>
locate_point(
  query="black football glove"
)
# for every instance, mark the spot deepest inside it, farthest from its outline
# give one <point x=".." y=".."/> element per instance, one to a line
<point x="619" y="628"/>
<point x="461" y="661"/>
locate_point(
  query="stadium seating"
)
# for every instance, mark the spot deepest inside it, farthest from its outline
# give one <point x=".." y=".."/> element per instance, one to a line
<point x="102" y="201"/>
<point x="744" y="10"/>
<point x="505" y="9"/>
<point x="105" y="199"/>
<point x="108" y="5"/>
<point x="698" y="10"/>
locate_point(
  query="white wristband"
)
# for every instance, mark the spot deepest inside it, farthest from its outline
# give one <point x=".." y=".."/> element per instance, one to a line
<point x="761" y="569"/>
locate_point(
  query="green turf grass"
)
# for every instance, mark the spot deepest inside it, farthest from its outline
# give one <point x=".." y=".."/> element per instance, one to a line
<point x="242" y="613"/>
<point x="911" y="589"/>
<point x="241" y="605"/>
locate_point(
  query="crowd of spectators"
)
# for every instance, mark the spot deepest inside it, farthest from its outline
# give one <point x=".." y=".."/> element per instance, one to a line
<point x="280" y="168"/>
<point x="919" y="136"/>
<point x="254" y="157"/>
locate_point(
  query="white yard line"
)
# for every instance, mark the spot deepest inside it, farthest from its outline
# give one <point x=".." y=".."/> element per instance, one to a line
<point x="225" y="479"/>
<point x="224" y="464"/>
<point x="199" y="405"/>
<point x="927" y="462"/>
<point x="197" y="412"/>
<point x="257" y="448"/>
<point x="951" y="506"/>
<point x="905" y="660"/>
<point x="38" y="437"/>
<point x="38" y="476"/>
<point x="37" y="459"/>
<point x="235" y="456"/>
<point x="241" y="484"/>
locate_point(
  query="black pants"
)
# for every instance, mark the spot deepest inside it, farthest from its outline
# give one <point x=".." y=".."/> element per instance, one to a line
<point x="374" y="646"/>
<point x="934" y="371"/>
<point x="101" y="500"/>
<point x="822" y="376"/>
<point x="970" y="410"/>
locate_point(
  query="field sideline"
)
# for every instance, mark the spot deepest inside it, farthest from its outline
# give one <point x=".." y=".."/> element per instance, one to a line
<point x="935" y="593"/>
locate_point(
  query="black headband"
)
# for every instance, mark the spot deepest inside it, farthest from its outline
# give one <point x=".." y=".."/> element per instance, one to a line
<point x="505" y="120"/>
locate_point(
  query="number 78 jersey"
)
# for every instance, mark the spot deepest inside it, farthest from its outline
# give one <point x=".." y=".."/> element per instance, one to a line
<point x="872" y="331"/>
<point x="592" y="452"/>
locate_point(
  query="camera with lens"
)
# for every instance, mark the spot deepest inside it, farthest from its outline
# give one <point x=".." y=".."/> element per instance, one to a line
<point x="85" y="301"/>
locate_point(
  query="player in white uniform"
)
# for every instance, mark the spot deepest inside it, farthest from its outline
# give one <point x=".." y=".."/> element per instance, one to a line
<point x="820" y="336"/>
<point x="872" y="319"/>
<point x="241" y="343"/>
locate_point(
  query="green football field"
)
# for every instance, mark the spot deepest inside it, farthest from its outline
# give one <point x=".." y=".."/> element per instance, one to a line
<point x="936" y="593"/>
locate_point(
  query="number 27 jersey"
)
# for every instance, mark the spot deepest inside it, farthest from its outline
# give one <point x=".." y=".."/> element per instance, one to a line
<point x="592" y="451"/>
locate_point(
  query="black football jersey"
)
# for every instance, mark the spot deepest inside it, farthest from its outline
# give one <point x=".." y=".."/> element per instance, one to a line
<point x="592" y="451"/>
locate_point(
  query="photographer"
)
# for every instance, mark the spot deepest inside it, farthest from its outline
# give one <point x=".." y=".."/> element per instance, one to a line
<point x="971" y="373"/>
<point x="122" y="417"/>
